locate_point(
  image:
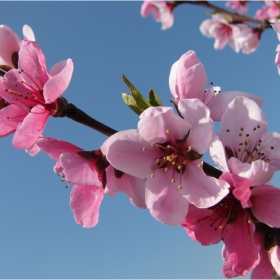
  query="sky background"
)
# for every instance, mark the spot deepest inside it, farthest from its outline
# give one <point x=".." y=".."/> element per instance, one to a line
<point x="38" y="235"/>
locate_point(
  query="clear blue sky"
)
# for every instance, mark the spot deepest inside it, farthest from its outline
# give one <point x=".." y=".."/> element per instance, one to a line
<point x="38" y="235"/>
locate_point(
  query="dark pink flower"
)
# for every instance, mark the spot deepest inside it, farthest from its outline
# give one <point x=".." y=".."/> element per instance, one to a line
<point x="92" y="176"/>
<point x="233" y="222"/>
<point x="31" y="86"/>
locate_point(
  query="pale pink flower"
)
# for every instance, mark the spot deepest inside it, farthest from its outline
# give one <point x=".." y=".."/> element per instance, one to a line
<point x="270" y="11"/>
<point x="10" y="44"/>
<point x="92" y="176"/>
<point x="161" y="10"/>
<point x="276" y="27"/>
<point x="249" y="39"/>
<point x="169" y="148"/>
<point x="240" y="6"/>
<point x="223" y="32"/>
<point x="33" y="87"/>
<point x="188" y="78"/>
<point x="233" y="222"/>
<point x="244" y="147"/>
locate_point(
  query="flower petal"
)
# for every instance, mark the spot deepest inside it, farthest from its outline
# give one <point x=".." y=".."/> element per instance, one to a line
<point x="85" y="203"/>
<point x="31" y="128"/>
<point x="61" y="75"/>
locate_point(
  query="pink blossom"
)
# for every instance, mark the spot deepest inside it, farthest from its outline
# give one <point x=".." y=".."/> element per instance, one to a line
<point x="276" y="27"/>
<point x="270" y="12"/>
<point x="169" y="149"/>
<point x="33" y="87"/>
<point x="244" y="147"/>
<point x="249" y="39"/>
<point x="10" y="44"/>
<point x="223" y="32"/>
<point x="233" y="222"/>
<point x="161" y="10"/>
<point x="241" y="6"/>
<point x="92" y="176"/>
<point x="188" y="78"/>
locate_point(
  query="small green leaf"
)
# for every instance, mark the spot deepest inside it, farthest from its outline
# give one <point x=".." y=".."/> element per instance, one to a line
<point x="154" y="98"/>
<point x="140" y="100"/>
<point x="130" y="102"/>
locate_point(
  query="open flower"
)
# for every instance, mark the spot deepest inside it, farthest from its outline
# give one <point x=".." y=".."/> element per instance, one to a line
<point x="188" y="79"/>
<point x="270" y="11"/>
<point x="244" y="147"/>
<point x="33" y="87"/>
<point x="233" y="222"/>
<point x="169" y="149"/>
<point x="161" y="10"/>
<point x="92" y="176"/>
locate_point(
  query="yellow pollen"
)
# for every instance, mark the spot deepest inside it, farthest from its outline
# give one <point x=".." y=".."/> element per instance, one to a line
<point x="158" y="160"/>
<point x="220" y="227"/>
<point x="144" y="149"/>
<point x="152" y="175"/>
<point x="169" y="158"/>
<point x="166" y="169"/>
<point x="184" y="162"/>
<point x="249" y="222"/>
<point x="168" y="146"/>
<point x="189" y="148"/>
<point x="9" y="90"/>
<point x="173" y="162"/>
<point x="173" y="180"/>
<point x="167" y="131"/>
<point x="153" y="144"/>
<point x="180" y="187"/>
<point x="179" y="167"/>
<point x="199" y="165"/>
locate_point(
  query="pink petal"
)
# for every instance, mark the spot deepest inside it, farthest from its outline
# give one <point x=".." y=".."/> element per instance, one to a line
<point x="266" y="204"/>
<point x="202" y="130"/>
<point x="10" y="43"/>
<point x="187" y="77"/>
<point x="61" y="75"/>
<point x="257" y="173"/>
<point x="200" y="222"/>
<point x="156" y="121"/>
<point x="243" y="120"/>
<point x="10" y="117"/>
<point x="222" y="99"/>
<point x="31" y="128"/>
<point x="243" y="253"/>
<point x="54" y="148"/>
<point x="32" y="62"/>
<point x="164" y="199"/>
<point x="78" y="170"/>
<point x="85" y="203"/>
<point x="217" y="153"/>
<point x="124" y="150"/>
<point x="271" y="146"/>
<point x="201" y="190"/>
<point x="28" y="33"/>
<point x="133" y="187"/>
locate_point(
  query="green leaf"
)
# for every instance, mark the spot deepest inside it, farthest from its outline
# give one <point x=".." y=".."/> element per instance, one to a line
<point x="130" y="102"/>
<point x="154" y="98"/>
<point x="140" y="100"/>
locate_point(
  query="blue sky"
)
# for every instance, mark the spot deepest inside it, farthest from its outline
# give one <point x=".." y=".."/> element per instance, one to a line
<point x="39" y="237"/>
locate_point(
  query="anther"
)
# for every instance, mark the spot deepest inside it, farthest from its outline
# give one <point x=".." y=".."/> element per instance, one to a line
<point x="180" y="187"/>
<point x="144" y="149"/>
<point x="173" y="180"/>
<point x="167" y="131"/>
<point x="166" y="169"/>
<point x="152" y="175"/>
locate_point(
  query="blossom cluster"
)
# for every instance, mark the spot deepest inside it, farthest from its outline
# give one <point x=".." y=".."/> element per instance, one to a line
<point x="225" y="26"/>
<point x="159" y="164"/>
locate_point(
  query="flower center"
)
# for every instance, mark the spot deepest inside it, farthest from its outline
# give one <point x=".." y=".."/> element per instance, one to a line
<point x="173" y="156"/>
<point x="248" y="148"/>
